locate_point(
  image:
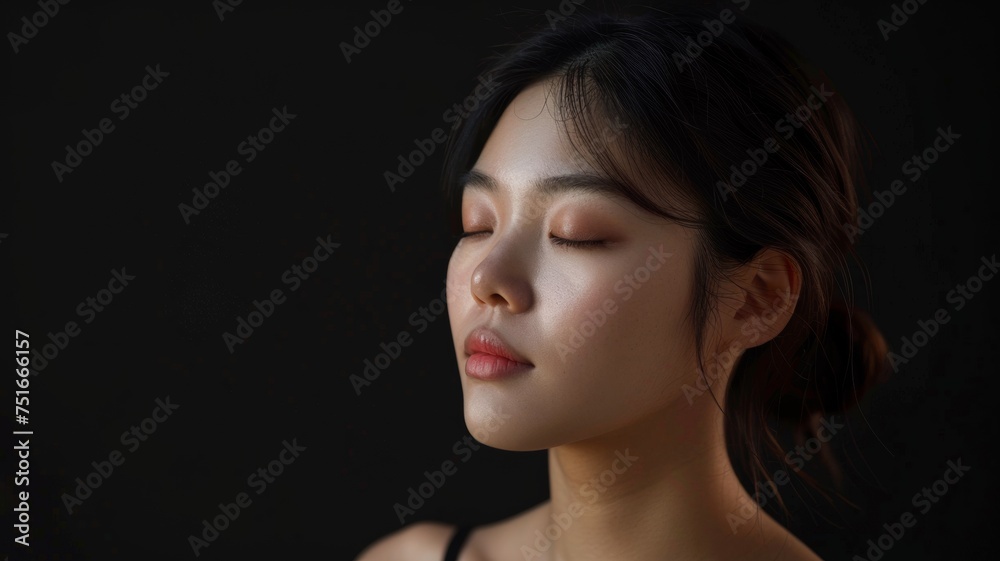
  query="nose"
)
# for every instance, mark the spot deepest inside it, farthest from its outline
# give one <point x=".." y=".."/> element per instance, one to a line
<point x="502" y="278"/>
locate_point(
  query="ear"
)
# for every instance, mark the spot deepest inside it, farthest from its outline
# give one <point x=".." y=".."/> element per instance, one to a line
<point x="768" y="288"/>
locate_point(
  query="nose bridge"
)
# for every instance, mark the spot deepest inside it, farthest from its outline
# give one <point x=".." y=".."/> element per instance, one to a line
<point x="503" y="276"/>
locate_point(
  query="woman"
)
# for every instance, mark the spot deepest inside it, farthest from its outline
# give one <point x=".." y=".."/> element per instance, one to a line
<point x="654" y="211"/>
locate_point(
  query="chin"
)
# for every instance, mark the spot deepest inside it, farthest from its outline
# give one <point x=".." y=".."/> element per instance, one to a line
<point x="519" y="418"/>
<point x="503" y="419"/>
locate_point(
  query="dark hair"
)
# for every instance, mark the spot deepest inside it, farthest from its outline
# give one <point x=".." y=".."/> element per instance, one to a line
<point x="700" y="104"/>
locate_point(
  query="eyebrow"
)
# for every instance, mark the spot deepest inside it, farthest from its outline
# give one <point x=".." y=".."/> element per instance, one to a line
<point x="553" y="184"/>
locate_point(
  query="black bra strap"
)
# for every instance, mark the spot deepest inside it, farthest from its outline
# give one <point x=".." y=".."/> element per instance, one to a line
<point x="456" y="543"/>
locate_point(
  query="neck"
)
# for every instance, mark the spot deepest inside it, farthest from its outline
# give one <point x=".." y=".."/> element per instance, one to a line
<point x="662" y="484"/>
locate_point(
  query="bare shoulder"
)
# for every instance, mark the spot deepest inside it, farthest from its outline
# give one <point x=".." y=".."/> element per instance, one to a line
<point x="792" y="552"/>
<point x="787" y="548"/>
<point x="420" y="541"/>
<point x="427" y="541"/>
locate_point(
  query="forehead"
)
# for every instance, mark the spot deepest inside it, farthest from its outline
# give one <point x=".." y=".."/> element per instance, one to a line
<point x="529" y="140"/>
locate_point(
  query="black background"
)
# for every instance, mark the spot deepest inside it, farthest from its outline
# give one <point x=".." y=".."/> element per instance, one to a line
<point x="323" y="176"/>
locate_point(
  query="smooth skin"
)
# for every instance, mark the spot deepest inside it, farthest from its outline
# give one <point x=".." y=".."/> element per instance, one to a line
<point x="638" y="466"/>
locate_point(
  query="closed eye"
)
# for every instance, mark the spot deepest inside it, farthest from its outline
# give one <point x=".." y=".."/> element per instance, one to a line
<point x="555" y="240"/>
<point x="577" y="243"/>
<point x="476" y="233"/>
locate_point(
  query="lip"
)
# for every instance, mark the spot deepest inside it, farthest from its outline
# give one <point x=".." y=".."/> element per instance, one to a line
<point x="491" y="358"/>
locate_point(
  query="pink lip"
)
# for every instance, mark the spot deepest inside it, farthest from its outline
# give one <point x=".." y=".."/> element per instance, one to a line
<point x="490" y="358"/>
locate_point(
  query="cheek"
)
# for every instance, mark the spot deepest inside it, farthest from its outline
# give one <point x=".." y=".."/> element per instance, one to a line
<point x="451" y="294"/>
<point x="458" y="293"/>
<point x="623" y="335"/>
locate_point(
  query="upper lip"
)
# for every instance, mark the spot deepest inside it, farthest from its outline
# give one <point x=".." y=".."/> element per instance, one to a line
<point x="485" y="340"/>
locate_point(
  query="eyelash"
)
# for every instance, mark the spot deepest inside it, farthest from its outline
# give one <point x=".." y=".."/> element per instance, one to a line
<point x="586" y="244"/>
<point x="470" y="234"/>
<point x="555" y="239"/>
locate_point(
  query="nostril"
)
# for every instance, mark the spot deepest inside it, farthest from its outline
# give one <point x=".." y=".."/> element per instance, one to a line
<point x="496" y="300"/>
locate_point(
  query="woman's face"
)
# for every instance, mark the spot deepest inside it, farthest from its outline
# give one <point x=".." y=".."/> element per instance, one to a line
<point x="601" y="330"/>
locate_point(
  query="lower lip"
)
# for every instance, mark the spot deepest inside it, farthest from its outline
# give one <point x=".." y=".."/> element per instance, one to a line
<point x="492" y="367"/>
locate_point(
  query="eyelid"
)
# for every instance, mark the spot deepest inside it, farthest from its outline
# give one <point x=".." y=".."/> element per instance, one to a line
<point x="577" y="243"/>
<point x="473" y="233"/>
<point x="555" y="239"/>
